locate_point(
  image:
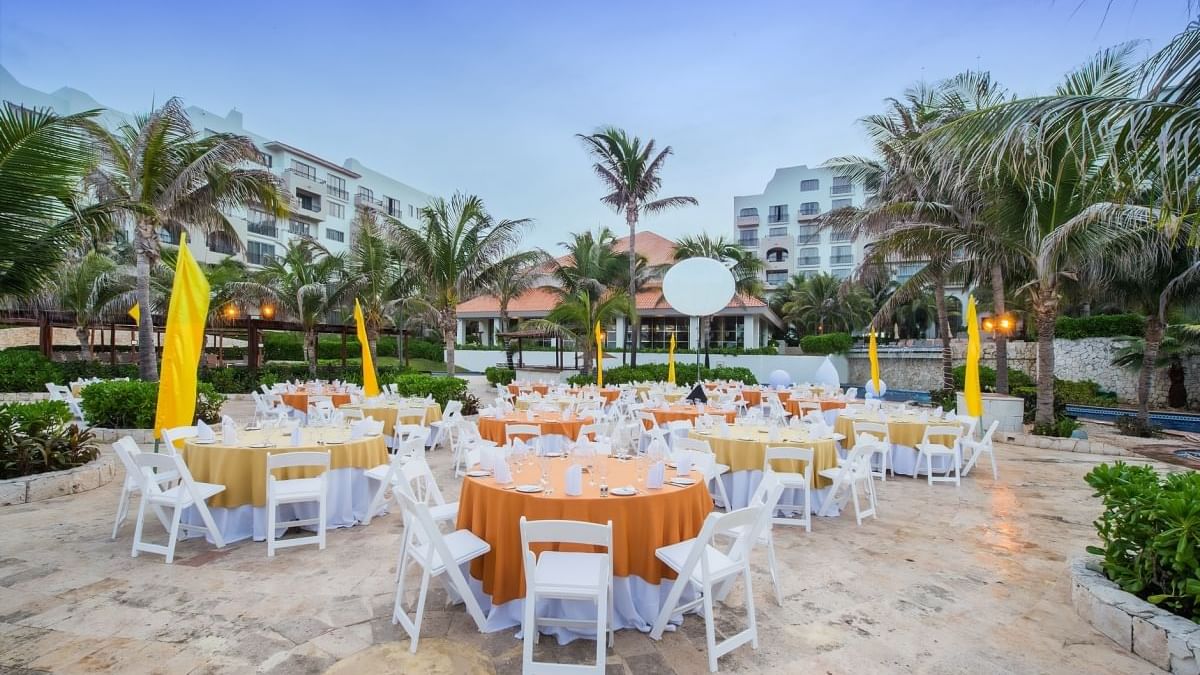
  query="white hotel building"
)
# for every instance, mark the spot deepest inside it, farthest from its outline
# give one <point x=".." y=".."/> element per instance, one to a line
<point x="780" y="224"/>
<point x="323" y="194"/>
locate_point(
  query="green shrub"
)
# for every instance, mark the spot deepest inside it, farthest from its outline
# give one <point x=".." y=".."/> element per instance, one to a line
<point x="499" y="375"/>
<point x="426" y="349"/>
<point x="75" y="370"/>
<point x="1149" y="534"/>
<point x="35" y="417"/>
<point x="987" y="378"/>
<point x="1076" y="392"/>
<point x="51" y="448"/>
<point x="946" y="400"/>
<point x="1061" y="427"/>
<point x="1101" y="325"/>
<point x="131" y="405"/>
<point x="25" y="370"/>
<point x="685" y="374"/>
<point x="443" y="389"/>
<point x="1130" y="425"/>
<point x="208" y="403"/>
<point x="829" y="343"/>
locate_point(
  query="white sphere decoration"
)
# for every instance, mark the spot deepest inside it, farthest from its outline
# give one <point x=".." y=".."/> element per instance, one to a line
<point x="869" y="388"/>
<point x="698" y="286"/>
<point x="827" y="375"/>
<point x="779" y="379"/>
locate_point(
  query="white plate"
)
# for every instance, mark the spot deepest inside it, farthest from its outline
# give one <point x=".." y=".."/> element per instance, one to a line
<point x="747" y="438"/>
<point x="623" y="491"/>
<point x="681" y="480"/>
<point x="260" y="445"/>
<point x="253" y="428"/>
<point x="529" y="488"/>
<point x="478" y="473"/>
<point x="552" y="454"/>
<point x="197" y="441"/>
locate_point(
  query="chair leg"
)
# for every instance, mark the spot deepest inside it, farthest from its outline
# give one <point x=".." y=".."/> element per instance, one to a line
<point x="771" y="567"/>
<point x="321" y="510"/>
<point x="416" y="633"/>
<point x="137" y="530"/>
<point x="122" y="511"/>
<point x="992" y="457"/>
<point x="529" y="627"/>
<point x="601" y="632"/>
<point x="750" y="614"/>
<point x="175" y="518"/>
<point x="271" y="507"/>
<point x="710" y="634"/>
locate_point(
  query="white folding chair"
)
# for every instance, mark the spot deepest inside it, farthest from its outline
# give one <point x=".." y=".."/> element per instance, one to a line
<point x="562" y="575"/>
<point x="525" y="432"/>
<point x="393" y="476"/>
<point x="793" y="480"/>
<point x="883" y="450"/>
<point x="296" y="491"/>
<point x="172" y="439"/>
<point x="709" y="570"/>
<point x="63" y="393"/>
<point x="126" y="449"/>
<point x="706" y="461"/>
<point x="437" y="554"/>
<point x="983" y="446"/>
<point x="187" y="493"/>
<point x="767" y="495"/>
<point x="928" y="449"/>
<point x="847" y="477"/>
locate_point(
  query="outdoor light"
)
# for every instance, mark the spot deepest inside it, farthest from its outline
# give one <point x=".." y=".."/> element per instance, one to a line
<point x="1006" y="324"/>
<point x="268" y="311"/>
<point x="989" y="325"/>
<point x="230" y="312"/>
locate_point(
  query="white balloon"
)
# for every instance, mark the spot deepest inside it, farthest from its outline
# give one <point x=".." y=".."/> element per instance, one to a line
<point x="779" y="379"/>
<point x="698" y="286"/>
<point x="870" y="388"/>
<point x="827" y="375"/>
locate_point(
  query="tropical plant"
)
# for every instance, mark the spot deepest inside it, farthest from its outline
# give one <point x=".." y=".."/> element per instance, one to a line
<point x="632" y="173"/>
<point x="301" y="284"/>
<point x="169" y="179"/>
<point x="510" y="284"/>
<point x="822" y="303"/>
<point x="743" y="264"/>
<point x="576" y="315"/>
<point x="457" y="251"/>
<point x="91" y="288"/>
<point x="377" y="275"/>
<point x="44" y="217"/>
<point x="1177" y="344"/>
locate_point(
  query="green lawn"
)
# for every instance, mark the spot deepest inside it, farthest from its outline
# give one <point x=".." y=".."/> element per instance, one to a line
<point x="420" y="365"/>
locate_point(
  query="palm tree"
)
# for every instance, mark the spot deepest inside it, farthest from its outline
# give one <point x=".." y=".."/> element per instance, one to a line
<point x="43" y="216"/>
<point x="458" y="251"/>
<point x="824" y="304"/>
<point x="577" y="313"/>
<point x="168" y="178"/>
<point x="742" y="263"/>
<point x="510" y="284"/>
<point x="301" y="284"/>
<point x="91" y="288"/>
<point x="592" y="263"/>
<point x="632" y="172"/>
<point x="376" y="274"/>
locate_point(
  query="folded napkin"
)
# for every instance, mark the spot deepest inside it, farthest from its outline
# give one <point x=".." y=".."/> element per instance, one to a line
<point x="487" y="458"/>
<point x="574" y="486"/>
<point x="867" y="439"/>
<point x="503" y="473"/>
<point x="358" y="429"/>
<point x="723" y="428"/>
<point x="654" y="479"/>
<point x="684" y="464"/>
<point x="338" y="419"/>
<point x="773" y="433"/>
<point x="229" y="431"/>
<point x="295" y="436"/>
<point x="204" y="432"/>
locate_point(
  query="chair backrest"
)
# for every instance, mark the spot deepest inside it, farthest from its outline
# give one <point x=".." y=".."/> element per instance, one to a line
<point x="940" y="430"/>
<point x="148" y="463"/>
<point x="876" y="429"/>
<point x="807" y="406"/>
<point x="746" y="521"/>
<point x="351" y="413"/>
<point x="574" y="532"/>
<point x="421" y="484"/>
<point x="126" y="449"/>
<point x="175" y="434"/>
<point x="788" y="453"/>
<point x="522" y="430"/>
<point x="590" y="431"/>
<point x="285" y="460"/>
<point x="987" y="437"/>
<point x="692" y="444"/>
<point x="852" y="393"/>
<point x="453" y="410"/>
<point x="405" y="432"/>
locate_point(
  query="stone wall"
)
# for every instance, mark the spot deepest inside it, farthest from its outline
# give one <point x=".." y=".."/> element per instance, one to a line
<point x="919" y="368"/>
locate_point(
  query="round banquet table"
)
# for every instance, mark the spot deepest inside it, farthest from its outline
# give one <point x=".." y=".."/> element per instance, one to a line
<point x="299" y="400"/>
<point x="560" y="402"/>
<point x="391" y="414"/>
<point x="685" y="412"/>
<point x="905" y="432"/>
<point x="542" y="389"/>
<point x="609" y="394"/>
<point x="240" y="511"/>
<point x="554" y="427"/>
<point x="746" y="448"/>
<point x="641" y="524"/>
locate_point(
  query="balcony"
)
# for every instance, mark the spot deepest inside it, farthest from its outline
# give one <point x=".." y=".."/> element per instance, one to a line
<point x="299" y="179"/>
<point x="220" y="244"/>
<point x="841" y="190"/>
<point x="807" y="214"/>
<point x="368" y="202"/>
<point x="340" y="193"/>
<point x="265" y="228"/>
<point x="808" y="261"/>
<point x="748" y="242"/>
<point x="259" y="258"/>
<point x="748" y="221"/>
<point x="298" y="228"/>
<point x="307" y="208"/>
<point x="841" y="260"/>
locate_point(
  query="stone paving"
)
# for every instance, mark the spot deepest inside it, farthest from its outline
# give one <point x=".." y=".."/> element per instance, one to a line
<point x="945" y="580"/>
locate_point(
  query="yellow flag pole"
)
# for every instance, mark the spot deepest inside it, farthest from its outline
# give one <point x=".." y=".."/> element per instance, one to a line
<point x="599" y="335"/>
<point x="183" y="344"/>
<point x="873" y="354"/>
<point x="971" y="389"/>
<point x="671" y="361"/>
<point x="370" y="381"/>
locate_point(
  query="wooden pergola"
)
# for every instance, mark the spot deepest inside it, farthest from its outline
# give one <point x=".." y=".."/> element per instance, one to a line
<point x="521" y="335"/>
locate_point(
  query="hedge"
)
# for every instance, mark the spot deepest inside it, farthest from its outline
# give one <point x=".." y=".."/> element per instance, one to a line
<point x="284" y="346"/>
<point x="829" y="343"/>
<point x="498" y="375"/>
<point x="37" y="437"/>
<point x="1101" y="325"/>
<point x="131" y="405"/>
<point x="443" y="389"/>
<point x="685" y="375"/>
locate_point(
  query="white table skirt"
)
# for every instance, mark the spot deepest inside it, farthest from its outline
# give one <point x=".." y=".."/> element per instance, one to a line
<point x="636" y="604"/>
<point x="904" y="460"/>
<point x="349" y="496"/>
<point x="740" y="486"/>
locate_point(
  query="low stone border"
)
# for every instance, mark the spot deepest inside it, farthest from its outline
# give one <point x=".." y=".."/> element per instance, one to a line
<point x="105" y="435"/>
<point x="1168" y="641"/>
<point x="23" y="396"/>
<point x="1083" y="445"/>
<point x="35" y="488"/>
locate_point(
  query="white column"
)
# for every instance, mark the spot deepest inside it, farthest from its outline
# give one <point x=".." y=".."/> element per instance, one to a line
<point x="619" y="338"/>
<point x="693" y="333"/>
<point x="496" y="328"/>
<point x="749" y="332"/>
<point x="462" y="331"/>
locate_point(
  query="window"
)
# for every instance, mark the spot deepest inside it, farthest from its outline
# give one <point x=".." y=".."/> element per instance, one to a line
<point x="366" y="192"/>
<point x="777" y="232"/>
<point x="308" y="201"/>
<point x="810" y="209"/>
<point x="656" y="332"/>
<point x="220" y="243"/>
<point x="777" y="255"/>
<point x="262" y="158"/>
<point x="809" y="234"/>
<point x="336" y="186"/>
<point x="334" y="235"/>
<point x="808" y="257"/>
<point x="748" y="238"/>
<point x="259" y="253"/>
<point x="778" y="214"/>
<point x="394" y="208"/>
<point x="841" y="255"/>
<point x="298" y="227"/>
<point x="841" y="233"/>
<point x="337" y="210"/>
<point x="304" y="169"/>
<point x="776" y="277"/>
<point x="842" y="273"/>
<point x="904" y="271"/>
<point x="725" y="331"/>
<point x="841" y="186"/>
<point x="170" y="235"/>
<point x="261" y="222"/>
<point x="810" y="184"/>
<point x="412" y="211"/>
<point x="748" y="213"/>
<point x="840" y="204"/>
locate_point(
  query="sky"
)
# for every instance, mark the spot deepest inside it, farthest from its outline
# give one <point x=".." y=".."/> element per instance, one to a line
<point x="486" y="98"/>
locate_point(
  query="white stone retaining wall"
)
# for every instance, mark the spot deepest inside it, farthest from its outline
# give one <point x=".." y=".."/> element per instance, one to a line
<point x="1168" y="641"/>
<point x="41" y="486"/>
<point x="1083" y="445"/>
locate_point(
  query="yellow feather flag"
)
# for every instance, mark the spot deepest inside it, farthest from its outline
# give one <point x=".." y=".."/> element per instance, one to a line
<point x="183" y="344"/>
<point x="873" y="354"/>
<point x="599" y="356"/>
<point x="971" y="391"/>
<point x="370" y="383"/>
<point x="671" y="361"/>
<point x="136" y="312"/>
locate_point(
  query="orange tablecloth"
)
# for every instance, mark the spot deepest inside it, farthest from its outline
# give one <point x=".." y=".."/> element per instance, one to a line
<point x="493" y="428"/>
<point x="641" y="523"/>
<point x="609" y="395"/>
<point x="542" y="389"/>
<point x="752" y="397"/>
<point x="299" y="400"/>
<point x="685" y="412"/>
<point x="793" y="404"/>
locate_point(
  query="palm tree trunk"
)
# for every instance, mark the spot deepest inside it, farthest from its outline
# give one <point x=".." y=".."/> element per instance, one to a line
<point x="373" y="342"/>
<point x="310" y="350"/>
<point x="704" y="323"/>
<point x="85" y="344"/>
<point x="943" y="330"/>
<point x="449" y="336"/>
<point x="147" y="356"/>
<point x="1153" y="337"/>
<point x="1000" y="337"/>
<point x="631" y="219"/>
<point x="1047" y="313"/>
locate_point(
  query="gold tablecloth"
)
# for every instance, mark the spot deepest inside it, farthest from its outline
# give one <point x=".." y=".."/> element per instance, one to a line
<point x="641" y="523"/>
<point x="495" y="428"/>
<point x="685" y="412"/>
<point x="902" y="430"/>
<point x="561" y="403"/>
<point x="793" y="404"/>
<point x="517" y="388"/>
<point x="747" y="448"/>
<point x="243" y="470"/>
<point x="390" y="414"/>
